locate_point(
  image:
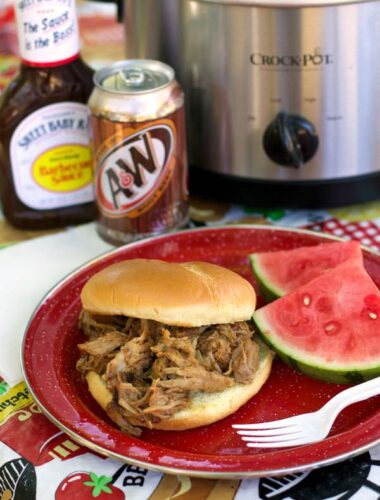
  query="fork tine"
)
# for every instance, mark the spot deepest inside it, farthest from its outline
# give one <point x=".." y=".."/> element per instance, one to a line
<point x="281" y="431"/>
<point x="281" y="444"/>
<point x="274" y="439"/>
<point x="275" y="424"/>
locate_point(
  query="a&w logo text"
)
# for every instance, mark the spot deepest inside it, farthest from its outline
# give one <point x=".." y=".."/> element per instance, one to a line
<point x="132" y="176"/>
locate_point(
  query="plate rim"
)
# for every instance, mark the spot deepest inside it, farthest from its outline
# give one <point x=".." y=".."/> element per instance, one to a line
<point x="242" y="474"/>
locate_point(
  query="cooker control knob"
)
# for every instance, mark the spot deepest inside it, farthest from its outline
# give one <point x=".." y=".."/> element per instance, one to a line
<point x="290" y="140"/>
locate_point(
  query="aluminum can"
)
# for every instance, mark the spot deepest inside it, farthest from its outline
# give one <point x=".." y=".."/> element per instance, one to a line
<point x="139" y="142"/>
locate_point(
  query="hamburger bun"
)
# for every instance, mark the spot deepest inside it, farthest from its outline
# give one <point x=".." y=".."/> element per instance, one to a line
<point x="182" y="294"/>
<point x="190" y="295"/>
<point x="205" y="408"/>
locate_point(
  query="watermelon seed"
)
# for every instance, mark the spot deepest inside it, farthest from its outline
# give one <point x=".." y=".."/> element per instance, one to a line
<point x="372" y="315"/>
<point x="307" y="300"/>
<point x="332" y="327"/>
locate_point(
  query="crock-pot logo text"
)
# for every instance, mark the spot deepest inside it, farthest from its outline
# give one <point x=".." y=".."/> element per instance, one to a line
<point x="291" y="61"/>
<point x="134" y="170"/>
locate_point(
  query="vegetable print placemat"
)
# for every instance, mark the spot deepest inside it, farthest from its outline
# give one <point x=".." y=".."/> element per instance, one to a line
<point x="37" y="461"/>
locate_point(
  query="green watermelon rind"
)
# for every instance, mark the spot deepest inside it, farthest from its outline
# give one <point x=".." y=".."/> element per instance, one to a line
<point x="268" y="290"/>
<point x="308" y="365"/>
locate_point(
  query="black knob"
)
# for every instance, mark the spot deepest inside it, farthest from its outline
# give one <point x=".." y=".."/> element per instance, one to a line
<point x="290" y="140"/>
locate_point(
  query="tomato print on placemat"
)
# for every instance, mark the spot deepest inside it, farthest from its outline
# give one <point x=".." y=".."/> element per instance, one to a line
<point x="87" y="485"/>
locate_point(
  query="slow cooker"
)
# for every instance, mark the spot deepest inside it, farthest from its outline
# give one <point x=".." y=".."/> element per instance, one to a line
<point x="282" y="96"/>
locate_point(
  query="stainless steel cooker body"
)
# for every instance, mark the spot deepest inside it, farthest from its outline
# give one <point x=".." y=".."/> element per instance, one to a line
<point x="275" y="92"/>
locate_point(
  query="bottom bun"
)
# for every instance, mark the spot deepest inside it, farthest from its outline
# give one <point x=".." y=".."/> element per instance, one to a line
<point x="205" y="408"/>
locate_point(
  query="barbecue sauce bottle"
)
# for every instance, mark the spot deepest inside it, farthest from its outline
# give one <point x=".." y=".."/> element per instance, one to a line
<point x="45" y="155"/>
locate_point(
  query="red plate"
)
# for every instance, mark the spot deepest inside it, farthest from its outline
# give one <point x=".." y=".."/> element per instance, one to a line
<point x="50" y="354"/>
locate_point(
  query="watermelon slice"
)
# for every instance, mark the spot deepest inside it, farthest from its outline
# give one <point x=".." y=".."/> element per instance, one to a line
<point x="329" y="328"/>
<point x="279" y="273"/>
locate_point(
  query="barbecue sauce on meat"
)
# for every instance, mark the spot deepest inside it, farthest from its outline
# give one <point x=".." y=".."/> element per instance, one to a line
<point x="151" y="368"/>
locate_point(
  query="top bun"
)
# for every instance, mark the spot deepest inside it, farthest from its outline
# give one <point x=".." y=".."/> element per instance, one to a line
<point x="181" y="294"/>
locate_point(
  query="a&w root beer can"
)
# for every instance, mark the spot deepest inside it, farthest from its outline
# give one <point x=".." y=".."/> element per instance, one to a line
<point x="140" y="150"/>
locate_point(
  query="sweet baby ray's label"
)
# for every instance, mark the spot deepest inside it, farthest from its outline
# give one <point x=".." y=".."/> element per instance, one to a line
<point x="51" y="157"/>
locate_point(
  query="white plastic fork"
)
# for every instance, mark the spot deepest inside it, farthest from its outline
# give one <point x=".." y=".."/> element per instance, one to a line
<point x="308" y="427"/>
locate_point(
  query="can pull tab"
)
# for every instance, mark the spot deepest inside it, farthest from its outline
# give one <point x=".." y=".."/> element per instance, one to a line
<point x="132" y="77"/>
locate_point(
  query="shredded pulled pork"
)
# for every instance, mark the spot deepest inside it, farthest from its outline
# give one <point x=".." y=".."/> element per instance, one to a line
<point x="151" y="368"/>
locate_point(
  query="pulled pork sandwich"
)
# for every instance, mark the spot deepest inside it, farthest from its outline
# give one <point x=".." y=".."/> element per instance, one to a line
<point x="170" y="345"/>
